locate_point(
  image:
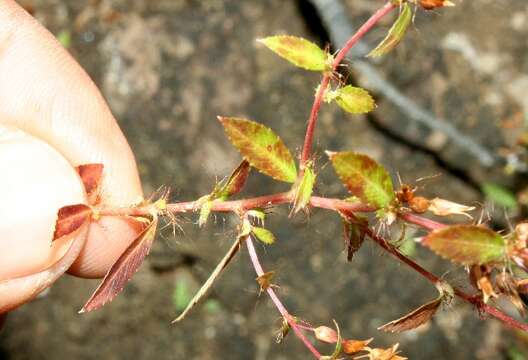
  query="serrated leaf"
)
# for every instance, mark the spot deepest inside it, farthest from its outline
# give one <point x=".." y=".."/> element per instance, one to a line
<point x="123" y="269"/>
<point x="70" y="218"/>
<point x="396" y="32"/>
<point x="212" y="278"/>
<point x="261" y="147"/>
<point x="304" y="189"/>
<point x="236" y="181"/>
<point x="263" y="235"/>
<point x="413" y="319"/>
<point x="500" y="195"/>
<point x="298" y="51"/>
<point x="364" y="178"/>
<point x="354" y="100"/>
<point x="91" y="175"/>
<point x="466" y="244"/>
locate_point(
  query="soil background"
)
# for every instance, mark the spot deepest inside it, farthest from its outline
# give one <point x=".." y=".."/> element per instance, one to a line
<point x="169" y="67"/>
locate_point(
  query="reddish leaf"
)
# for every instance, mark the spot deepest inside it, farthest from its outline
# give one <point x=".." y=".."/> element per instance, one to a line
<point x="351" y="347"/>
<point x="70" y="218"/>
<point x="91" y="175"/>
<point x="123" y="269"/>
<point x="466" y="244"/>
<point x="414" y="319"/>
<point x="236" y="181"/>
<point x="354" y="234"/>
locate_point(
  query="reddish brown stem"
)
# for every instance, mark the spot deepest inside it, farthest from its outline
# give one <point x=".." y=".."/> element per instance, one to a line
<point x="422" y="221"/>
<point x="364" y="29"/>
<point x="278" y="304"/>
<point x="241" y="205"/>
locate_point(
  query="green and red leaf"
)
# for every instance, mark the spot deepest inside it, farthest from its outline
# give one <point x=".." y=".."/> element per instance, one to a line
<point x="123" y="269"/>
<point x="396" y="32"/>
<point x="261" y="147"/>
<point x="298" y="51"/>
<point x="236" y="181"/>
<point x="467" y="244"/>
<point x="364" y="178"/>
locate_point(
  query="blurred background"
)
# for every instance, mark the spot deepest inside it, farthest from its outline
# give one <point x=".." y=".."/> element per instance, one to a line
<point x="168" y="67"/>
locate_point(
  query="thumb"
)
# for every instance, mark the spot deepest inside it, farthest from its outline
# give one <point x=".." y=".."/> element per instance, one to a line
<point x="35" y="182"/>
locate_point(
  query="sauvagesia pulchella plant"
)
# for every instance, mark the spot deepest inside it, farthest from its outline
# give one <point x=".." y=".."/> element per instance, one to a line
<point x="493" y="260"/>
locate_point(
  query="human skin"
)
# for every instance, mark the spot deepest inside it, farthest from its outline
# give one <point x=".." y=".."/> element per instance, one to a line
<point x="52" y="119"/>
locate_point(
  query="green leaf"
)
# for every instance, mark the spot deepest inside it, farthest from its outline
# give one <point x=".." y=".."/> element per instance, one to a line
<point x="234" y="183"/>
<point x="304" y="189"/>
<point x="205" y="210"/>
<point x="298" y="51"/>
<point x="467" y="244"/>
<point x="364" y="178"/>
<point x="354" y="100"/>
<point x="396" y="32"/>
<point x="261" y="147"/>
<point x="263" y="235"/>
<point x="500" y="195"/>
<point x="64" y="37"/>
<point x="181" y="295"/>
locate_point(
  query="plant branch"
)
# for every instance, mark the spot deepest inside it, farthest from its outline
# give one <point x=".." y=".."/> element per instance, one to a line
<point x="422" y="221"/>
<point x="472" y="299"/>
<point x="278" y="304"/>
<point x="239" y="206"/>
<point x="365" y="28"/>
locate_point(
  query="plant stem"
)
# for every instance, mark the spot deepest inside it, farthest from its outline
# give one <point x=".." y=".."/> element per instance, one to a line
<point x="239" y="206"/>
<point x="422" y="221"/>
<point x="365" y="28"/>
<point x="278" y="304"/>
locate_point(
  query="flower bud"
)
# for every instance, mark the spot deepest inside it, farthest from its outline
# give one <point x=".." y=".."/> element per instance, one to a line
<point x="433" y="4"/>
<point x="325" y="334"/>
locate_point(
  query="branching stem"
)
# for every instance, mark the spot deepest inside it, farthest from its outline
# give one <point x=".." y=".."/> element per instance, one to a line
<point x="364" y="29"/>
<point x="278" y="304"/>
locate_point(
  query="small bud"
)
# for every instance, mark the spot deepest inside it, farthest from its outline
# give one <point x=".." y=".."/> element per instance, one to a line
<point x="443" y="207"/>
<point x="325" y="334"/>
<point x="433" y="4"/>
<point x="419" y="204"/>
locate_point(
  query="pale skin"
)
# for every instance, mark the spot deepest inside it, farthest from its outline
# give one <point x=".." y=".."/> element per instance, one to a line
<point x="53" y="118"/>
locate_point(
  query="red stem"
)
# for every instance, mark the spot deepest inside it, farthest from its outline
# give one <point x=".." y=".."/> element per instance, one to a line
<point x="365" y="28"/>
<point x="278" y="304"/>
<point x="241" y="205"/>
<point x="422" y="221"/>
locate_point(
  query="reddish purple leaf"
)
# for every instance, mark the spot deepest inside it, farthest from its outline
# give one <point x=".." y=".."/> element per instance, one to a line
<point x="123" y="269"/>
<point x="91" y="175"/>
<point x="70" y="218"/>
